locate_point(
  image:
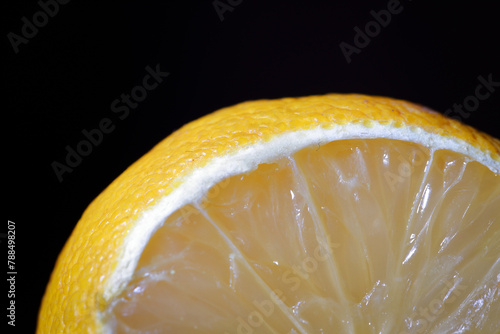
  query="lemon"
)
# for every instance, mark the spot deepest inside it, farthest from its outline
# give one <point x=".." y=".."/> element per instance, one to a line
<point x="340" y="213"/>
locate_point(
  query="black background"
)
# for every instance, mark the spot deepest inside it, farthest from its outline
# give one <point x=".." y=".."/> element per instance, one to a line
<point x="64" y="79"/>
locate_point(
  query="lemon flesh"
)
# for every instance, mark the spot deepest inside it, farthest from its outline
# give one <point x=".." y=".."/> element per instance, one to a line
<point x="353" y="236"/>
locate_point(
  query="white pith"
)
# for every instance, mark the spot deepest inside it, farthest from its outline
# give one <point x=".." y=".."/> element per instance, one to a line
<point x="196" y="184"/>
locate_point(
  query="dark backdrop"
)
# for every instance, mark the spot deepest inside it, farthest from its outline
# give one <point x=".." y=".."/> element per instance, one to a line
<point x="62" y="77"/>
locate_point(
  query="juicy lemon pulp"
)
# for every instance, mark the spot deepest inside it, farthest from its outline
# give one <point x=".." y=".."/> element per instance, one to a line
<point x="354" y="236"/>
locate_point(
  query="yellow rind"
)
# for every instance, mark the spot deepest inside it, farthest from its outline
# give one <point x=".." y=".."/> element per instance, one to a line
<point x="74" y="295"/>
